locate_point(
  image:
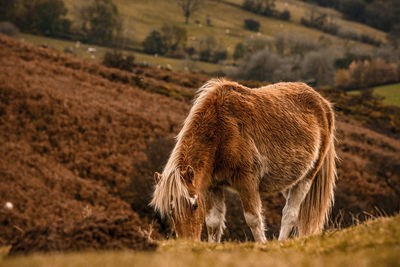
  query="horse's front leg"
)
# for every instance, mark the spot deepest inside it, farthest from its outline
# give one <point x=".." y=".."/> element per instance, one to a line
<point x="251" y="201"/>
<point x="215" y="214"/>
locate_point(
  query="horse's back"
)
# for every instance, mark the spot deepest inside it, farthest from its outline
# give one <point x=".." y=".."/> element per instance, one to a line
<point x="277" y="130"/>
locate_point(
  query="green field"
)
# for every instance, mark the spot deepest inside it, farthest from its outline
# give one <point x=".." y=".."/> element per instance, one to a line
<point x="375" y="243"/>
<point x="82" y="52"/>
<point x="142" y="16"/>
<point x="391" y="93"/>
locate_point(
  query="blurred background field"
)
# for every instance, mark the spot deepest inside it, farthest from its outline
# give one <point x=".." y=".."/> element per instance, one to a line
<point x="389" y="93"/>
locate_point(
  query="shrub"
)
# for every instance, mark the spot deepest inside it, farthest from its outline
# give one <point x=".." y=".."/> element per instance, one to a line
<point x="363" y="38"/>
<point x="250" y="5"/>
<point x="342" y="79"/>
<point x="318" y="65"/>
<point x="190" y="51"/>
<point x="370" y="40"/>
<point x="251" y="25"/>
<point x="153" y="44"/>
<point x="330" y="28"/>
<point x="239" y="52"/>
<point x="51" y="19"/>
<point x="364" y="74"/>
<point x="285" y="15"/>
<point x="171" y="41"/>
<point x="205" y="55"/>
<point x="269" y="10"/>
<point x="320" y="21"/>
<point x="300" y="45"/>
<point x="380" y="72"/>
<point x="353" y="9"/>
<point x="9" y="29"/>
<point x="256" y="44"/>
<point x="344" y="62"/>
<point x="388" y="53"/>
<point x="350" y="35"/>
<point x="100" y="21"/>
<point x="291" y="44"/>
<point x="260" y="66"/>
<point x="265" y="8"/>
<point x="210" y="51"/>
<point x="220" y="55"/>
<point x="117" y="60"/>
<point x="46" y="17"/>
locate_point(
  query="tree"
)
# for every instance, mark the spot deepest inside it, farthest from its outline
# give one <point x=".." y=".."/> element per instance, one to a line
<point x="117" y="60"/>
<point x="394" y="36"/>
<point x="174" y="37"/>
<point x="100" y="21"/>
<point x="171" y="40"/>
<point x="51" y="19"/>
<point x="260" y="66"/>
<point x="6" y="9"/>
<point x="37" y="16"/>
<point x="240" y="51"/>
<point x="153" y="44"/>
<point x="318" y="65"/>
<point x="251" y="25"/>
<point x="189" y="7"/>
<point x="354" y="9"/>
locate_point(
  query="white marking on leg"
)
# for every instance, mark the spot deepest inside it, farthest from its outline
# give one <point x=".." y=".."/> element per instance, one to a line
<point x="213" y="218"/>
<point x="215" y="221"/>
<point x="290" y="212"/>
<point x="256" y="225"/>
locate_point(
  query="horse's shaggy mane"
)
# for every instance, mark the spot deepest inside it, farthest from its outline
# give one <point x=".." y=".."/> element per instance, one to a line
<point x="171" y="189"/>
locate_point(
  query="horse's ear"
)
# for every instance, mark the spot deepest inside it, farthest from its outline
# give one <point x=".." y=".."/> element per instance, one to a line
<point x="157" y="177"/>
<point x="190" y="173"/>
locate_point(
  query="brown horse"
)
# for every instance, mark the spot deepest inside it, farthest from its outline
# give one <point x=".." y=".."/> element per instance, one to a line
<point x="277" y="138"/>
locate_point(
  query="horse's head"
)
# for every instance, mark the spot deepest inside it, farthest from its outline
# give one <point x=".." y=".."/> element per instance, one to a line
<point x="186" y="211"/>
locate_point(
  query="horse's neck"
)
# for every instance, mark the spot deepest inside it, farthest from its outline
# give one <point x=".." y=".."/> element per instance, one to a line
<point x="199" y="138"/>
<point x="201" y="157"/>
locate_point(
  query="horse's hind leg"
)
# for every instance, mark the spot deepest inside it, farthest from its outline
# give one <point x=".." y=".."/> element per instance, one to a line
<point x="215" y="214"/>
<point x="251" y="201"/>
<point x="290" y="212"/>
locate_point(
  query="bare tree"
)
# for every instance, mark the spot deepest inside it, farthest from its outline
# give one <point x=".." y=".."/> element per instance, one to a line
<point x="189" y="7"/>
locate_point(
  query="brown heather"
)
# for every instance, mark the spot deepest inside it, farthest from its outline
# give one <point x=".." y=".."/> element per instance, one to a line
<point x="80" y="143"/>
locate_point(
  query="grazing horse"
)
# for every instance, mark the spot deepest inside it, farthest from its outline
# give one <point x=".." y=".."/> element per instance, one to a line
<point x="277" y="138"/>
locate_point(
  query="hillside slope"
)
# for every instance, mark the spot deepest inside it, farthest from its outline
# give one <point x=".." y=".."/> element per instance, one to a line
<point x="142" y="16"/>
<point x="82" y="141"/>
<point x="72" y="141"/>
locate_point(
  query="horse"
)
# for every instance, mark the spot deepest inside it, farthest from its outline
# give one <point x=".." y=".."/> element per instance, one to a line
<point x="276" y="138"/>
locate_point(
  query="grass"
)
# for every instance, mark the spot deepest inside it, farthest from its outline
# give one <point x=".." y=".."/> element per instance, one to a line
<point x="300" y="9"/>
<point x="390" y="93"/>
<point x="374" y="243"/>
<point x="82" y="52"/>
<point x="143" y="16"/>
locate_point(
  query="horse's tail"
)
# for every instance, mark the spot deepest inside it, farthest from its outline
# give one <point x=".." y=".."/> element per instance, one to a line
<point x="316" y="207"/>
